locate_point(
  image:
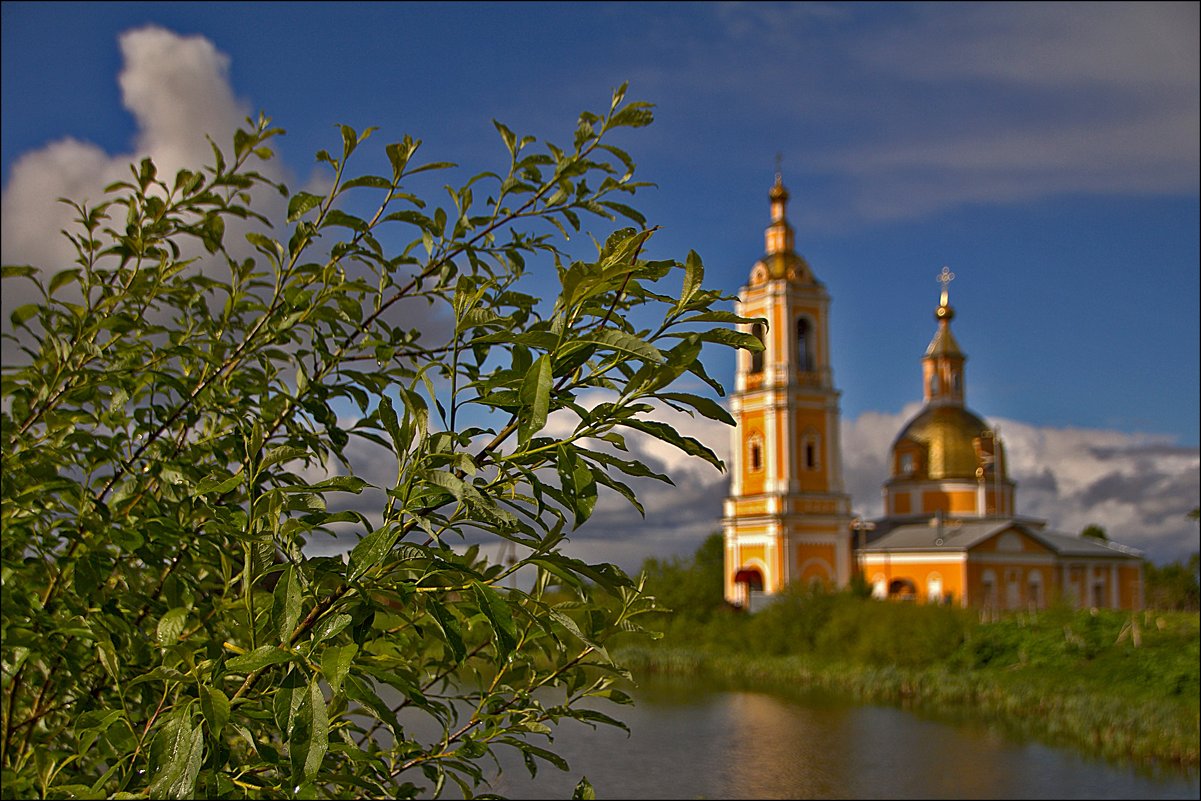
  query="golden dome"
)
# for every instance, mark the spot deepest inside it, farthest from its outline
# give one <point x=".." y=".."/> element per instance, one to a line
<point x="944" y="438"/>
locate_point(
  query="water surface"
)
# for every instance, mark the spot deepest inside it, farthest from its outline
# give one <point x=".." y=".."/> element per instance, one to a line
<point x="690" y="742"/>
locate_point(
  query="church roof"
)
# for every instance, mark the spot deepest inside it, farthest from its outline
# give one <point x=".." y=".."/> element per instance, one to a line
<point x="948" y="433"/>
<point x="960" y="536"/>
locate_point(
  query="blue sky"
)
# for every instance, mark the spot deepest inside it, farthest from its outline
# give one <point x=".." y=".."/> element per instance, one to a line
<point x="1047" y="153"/>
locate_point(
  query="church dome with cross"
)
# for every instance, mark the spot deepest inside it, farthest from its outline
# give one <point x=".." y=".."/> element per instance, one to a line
<point x="947" y="459"/>
<point x="949" y="532"/>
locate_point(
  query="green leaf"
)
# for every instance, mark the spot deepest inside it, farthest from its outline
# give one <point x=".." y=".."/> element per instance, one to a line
<point x="308" y="740"/>
<point x="735" y="339"/>
<point x="335" y="662"/>
<point x="508" y="136"/>
<point x="177" y="752"/>
<point x="330" y="626"/>
<point x="504" y="635"/>
<point x="215" y="706"/>
<point x="370" y="550"/>
<point x="535" y="398"/>
<point x="219" y="482"/>
<point x="450" y="629"/>
<point x="23" y="313"/>
<point x="694" y="276"/>
<point x="706" y="406"/>
<point x="212" y="232"/>
<point x="362" y="690"/>
<point x="665" y="433"/>
<point x="18" y="271"/>
<point x="583" y="791"/>
<point x="260" y="657"/>
<point x="286" y="609"/>
<point x="170" y="626"/>
<point x="625" y="342"/>
<point x="300" y="203"/>
<point x="61" y="279"/>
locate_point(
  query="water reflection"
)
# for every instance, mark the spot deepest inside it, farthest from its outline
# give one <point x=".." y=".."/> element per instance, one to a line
<point x="688" y="742"/>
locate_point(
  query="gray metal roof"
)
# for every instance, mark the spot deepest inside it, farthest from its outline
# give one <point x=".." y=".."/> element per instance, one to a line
<point x="957" y="536"/>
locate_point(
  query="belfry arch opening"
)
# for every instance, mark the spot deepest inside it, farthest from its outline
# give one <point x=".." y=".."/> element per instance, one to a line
<point x="804" y="345"/>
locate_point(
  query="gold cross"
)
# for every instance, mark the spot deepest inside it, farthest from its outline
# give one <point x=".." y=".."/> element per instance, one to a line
<point x="944" y="278"/>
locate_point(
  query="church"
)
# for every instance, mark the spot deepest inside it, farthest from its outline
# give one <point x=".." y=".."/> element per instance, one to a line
<point x="950" y="531"/>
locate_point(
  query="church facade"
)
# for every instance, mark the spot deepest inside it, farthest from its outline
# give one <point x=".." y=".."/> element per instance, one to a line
<point x="950" y="531"/>
<point x="787" y="515"/>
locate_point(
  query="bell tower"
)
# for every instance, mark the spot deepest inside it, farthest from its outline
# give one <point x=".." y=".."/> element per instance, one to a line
<point x="787" y="517"/>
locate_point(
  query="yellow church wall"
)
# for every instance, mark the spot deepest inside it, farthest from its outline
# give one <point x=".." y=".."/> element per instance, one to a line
<point x="815" y="562"/>
<point x="962" y="502"/>
<point x="952" y="576"/>
<point x="949" y="501"/>
<point x="752" y="426"/>
<point x="781" y="452"/>
<point x="808" y="423"/>
<point x="779" y="330"/>
<point x="1012" y="584"/>
<point x="935" y="502"/>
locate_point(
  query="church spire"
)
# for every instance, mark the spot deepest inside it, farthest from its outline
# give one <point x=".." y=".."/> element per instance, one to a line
<point x="779" y="237"/>
<point x="942" y="366"/>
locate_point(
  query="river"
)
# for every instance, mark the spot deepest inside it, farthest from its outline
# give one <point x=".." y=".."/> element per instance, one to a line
<point x="690" y="742"/>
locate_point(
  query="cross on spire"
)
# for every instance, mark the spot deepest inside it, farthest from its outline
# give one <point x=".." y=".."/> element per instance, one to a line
<point x="945" y="278"/>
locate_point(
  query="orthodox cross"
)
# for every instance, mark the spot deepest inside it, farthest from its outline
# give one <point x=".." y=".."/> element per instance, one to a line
<point x="945" y="278"/>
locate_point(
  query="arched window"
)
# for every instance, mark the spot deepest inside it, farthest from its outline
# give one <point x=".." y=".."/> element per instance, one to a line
<point x="756" y="454"/>
<point x="956" y="386"/>
<point x="903" y="589"/>
<point x="804" y="346"/>
<point x="759" y="333"/>
<point x="934" y="588"/>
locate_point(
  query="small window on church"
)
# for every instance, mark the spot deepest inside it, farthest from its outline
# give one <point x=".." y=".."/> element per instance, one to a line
<point x="811" y="449"/>
<point x="934" y="383"/>
<point x="955" y="386"/>
<point x="758" y="333"/>
<point x="756" y="454"/>
<point x="906" y="463"/>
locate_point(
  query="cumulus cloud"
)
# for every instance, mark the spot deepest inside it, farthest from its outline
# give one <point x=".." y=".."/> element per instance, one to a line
<point x="177" y="89"/>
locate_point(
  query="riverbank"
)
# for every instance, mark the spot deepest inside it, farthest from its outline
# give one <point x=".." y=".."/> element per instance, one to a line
<point x="1107" y="683"/>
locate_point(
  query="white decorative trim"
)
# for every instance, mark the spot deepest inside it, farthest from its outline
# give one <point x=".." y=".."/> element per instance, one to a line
<point x="886" y="558"/>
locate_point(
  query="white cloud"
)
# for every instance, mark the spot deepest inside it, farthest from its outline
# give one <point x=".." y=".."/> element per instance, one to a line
<point x="178" y="90"/>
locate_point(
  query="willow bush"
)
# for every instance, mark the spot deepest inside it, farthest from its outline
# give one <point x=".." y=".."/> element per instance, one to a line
<point x="183" y="414"/>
